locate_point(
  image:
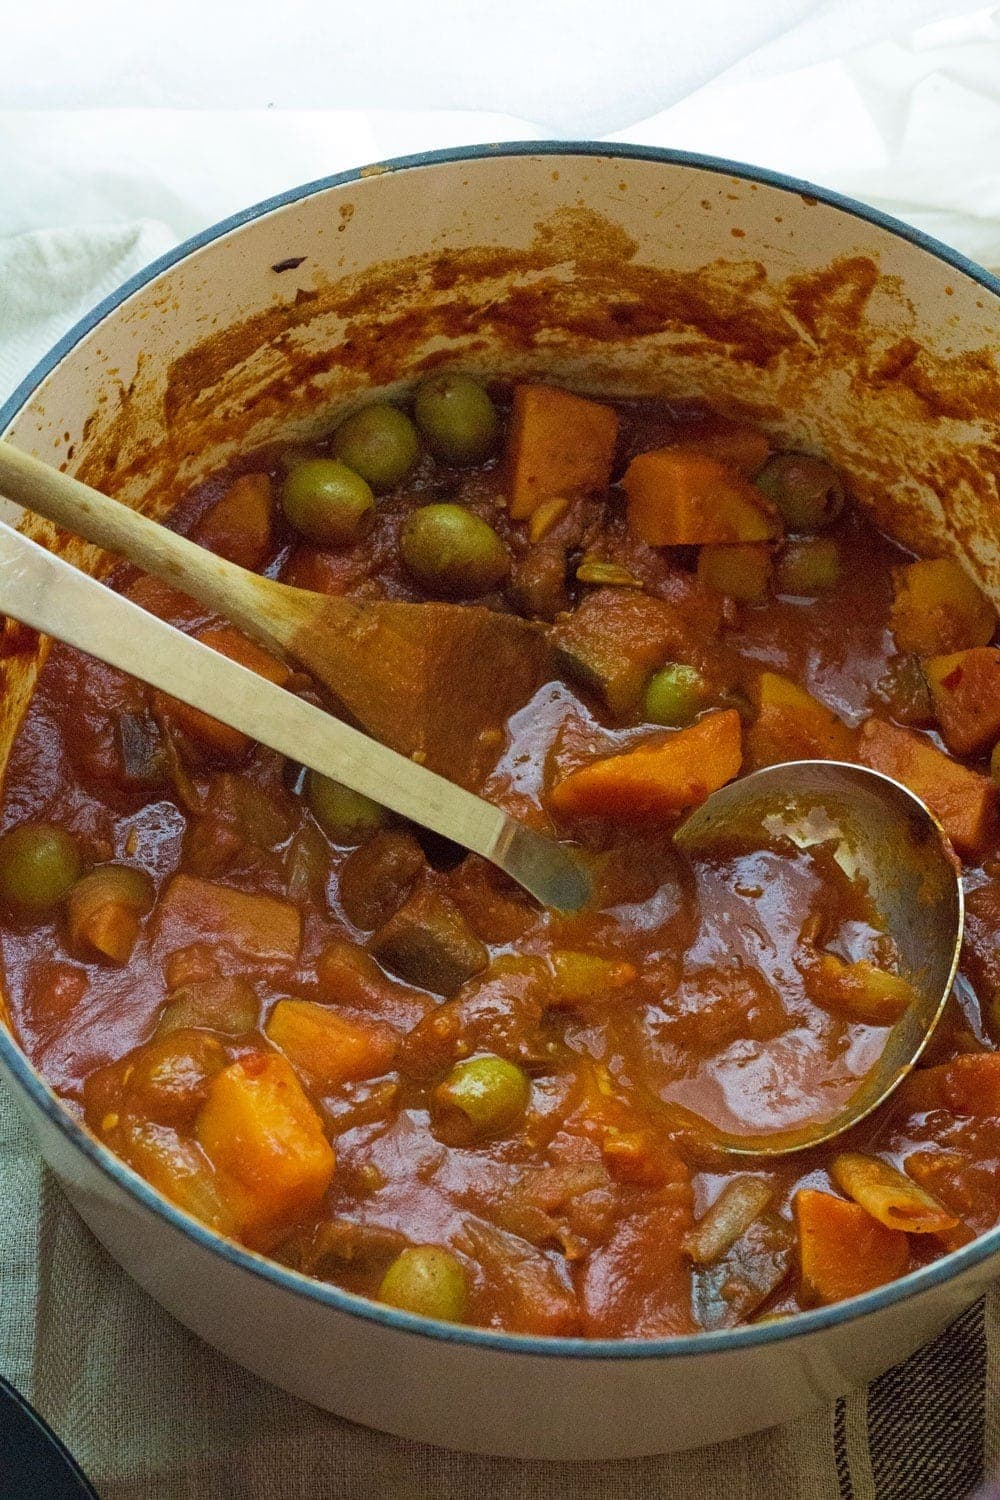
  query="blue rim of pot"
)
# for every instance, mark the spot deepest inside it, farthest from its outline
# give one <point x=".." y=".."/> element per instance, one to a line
<point x="30" y="1082"/>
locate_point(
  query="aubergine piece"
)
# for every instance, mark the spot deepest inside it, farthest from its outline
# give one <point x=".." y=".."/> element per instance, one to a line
<point x="429" y="943"/>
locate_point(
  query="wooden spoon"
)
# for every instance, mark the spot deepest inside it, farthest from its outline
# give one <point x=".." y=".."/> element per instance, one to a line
<point x="433" y="681"/>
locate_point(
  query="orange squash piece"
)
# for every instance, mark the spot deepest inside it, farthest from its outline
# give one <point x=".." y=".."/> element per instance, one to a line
<point x="260" y="1132"/>
<point x="561" y="446"/>
<point x="677" y="498"/>
<point x="216" y="739"/>
<point x="793" y="725"/>
<point x="238" y="526"/>
<point x="843" y="1251"/>
<point x="965" y="691"/>
<point x="254" y="926"/>
<point x="739" y="570"/>
<point x="659" y="779"/>
<point x="938" y="608"/>
<point x="964" y="801"/>
<point x="328" y="1047"/>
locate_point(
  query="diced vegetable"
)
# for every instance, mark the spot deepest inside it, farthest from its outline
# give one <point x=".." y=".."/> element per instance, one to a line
<point x="937" y="608"/>
<point x="345" y="816"/>
<point x="327" y="502"/>
<point x="964" y="801"/>
<point x="429" y="1281"/>
<point x="808" y="492"/>
<point x="741" y="1201"/>
<point x="380" y="443"/>
<point x="175" y="1167"/>
<point x="597" y="570"/>
<point x="479" y="1098"/>
<point x="169" y="1077"/>
<point x="809" y="567"/>
<point x="523" y="1281"/>
<point x="104" y="910"/>
<point x="213" y="738"/>
<point x="560" y="446"/>
<point x="238" y="526"/>
<point x="678" y="499"/>
<point x="614" y="640"/>
<point x="258" y="1129"/>
<point x="140" y="750"/>
<point x="733" y="1288"/>
<point x="377" y="878"/>
<point x="254" y="926"/>
<point x="429" y="943"/>
<point x="453" y="552"/>
<point x="457" y="418"/>
<point x="890" y="1197"/>
<point x="860" y="991"/>
<point x="739" y="570"/>
<point x="793" y="725"/>
<point x="39" y="864"/>
<point x="674" y="695"/>
<point x="972" y="1084"/>
<point x="588" y="978"/>
<point x="738" y="446"/>
<point x="327" y="1046"/>
<point x="965" y="691"/>
<point x="225" y="1004"/>
<point x="843" y="1251"/>
<point x="656" y="780"/>
<point x="547" y="515"/>
<point x="537" y="586"/>
<point x="642" y="1156"/>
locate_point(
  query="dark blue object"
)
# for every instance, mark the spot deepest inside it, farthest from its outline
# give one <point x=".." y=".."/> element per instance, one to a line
<point x="34" y="1465"/>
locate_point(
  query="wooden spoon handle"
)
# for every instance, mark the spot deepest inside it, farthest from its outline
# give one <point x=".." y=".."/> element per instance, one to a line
<point x="260" y="607"/>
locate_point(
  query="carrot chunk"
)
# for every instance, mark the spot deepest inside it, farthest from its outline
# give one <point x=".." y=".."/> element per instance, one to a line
<point x="328" y="1047"/>
<point x="843" y="1251"/>
<point x="215" y="739"/>
<point x="938" y="608"/>
<point x="793" y="725"/>
<point x="965" y="691"/>
<point x="656" y="780"/>
<point x="972" y="1084"/>
<point x="238" y="526"/>
<point x="256" y="927"/>
<point x="561" y="446"/>
<point x="261" y="1134"/>
<point x="964" y="801"/>
<point x="677" y="498"/>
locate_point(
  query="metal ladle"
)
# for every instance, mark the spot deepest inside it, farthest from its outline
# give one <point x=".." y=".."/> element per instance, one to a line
<point x="885" y="836"/>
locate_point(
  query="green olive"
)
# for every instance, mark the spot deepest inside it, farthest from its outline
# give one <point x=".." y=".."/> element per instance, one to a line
<point x="345" y="816"/>
<point x="457" y="418"/>
<point x="327" y="501"/>
<point x="481" y="1097"/>
<point x="811" y="567"/>
<point x="378" y="442"/>
<point x="427" y="1280"/>
<point x="674" y="694"/>
<point x="808" y="492"/>
<point x="453" y="552"/>
<point x="39" y="864"/>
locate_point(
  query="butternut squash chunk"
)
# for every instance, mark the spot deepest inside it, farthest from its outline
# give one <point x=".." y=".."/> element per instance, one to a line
<point x="209" y="735"/>
<point x="964" y="801"/>
<point x="328" y="1047"/>
<point x="678" y="499"/>
<point x="238" y="526"/>
<point x="259" y="1131"/>
<point x="256" y="927"/>
<point x="793" y="725"/>
<point x="561" y="446"/>
<point x="656" y="780"/>
<point x="843" y="1251"/>
<point x="965" y="691"/>
<point x="938" y="608"/>
<point x="739" y="570"/>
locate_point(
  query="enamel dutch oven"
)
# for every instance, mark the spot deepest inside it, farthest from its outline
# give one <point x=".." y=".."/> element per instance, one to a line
<point x="621" y="269"/>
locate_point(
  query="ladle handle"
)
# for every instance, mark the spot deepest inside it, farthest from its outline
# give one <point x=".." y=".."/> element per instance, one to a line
<point x="47" y="593"/>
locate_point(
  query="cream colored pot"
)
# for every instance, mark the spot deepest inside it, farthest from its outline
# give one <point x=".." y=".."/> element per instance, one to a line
<point x="618" y="269"/>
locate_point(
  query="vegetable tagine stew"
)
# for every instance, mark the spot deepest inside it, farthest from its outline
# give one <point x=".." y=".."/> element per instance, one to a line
<point x="342" y="1042"/>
